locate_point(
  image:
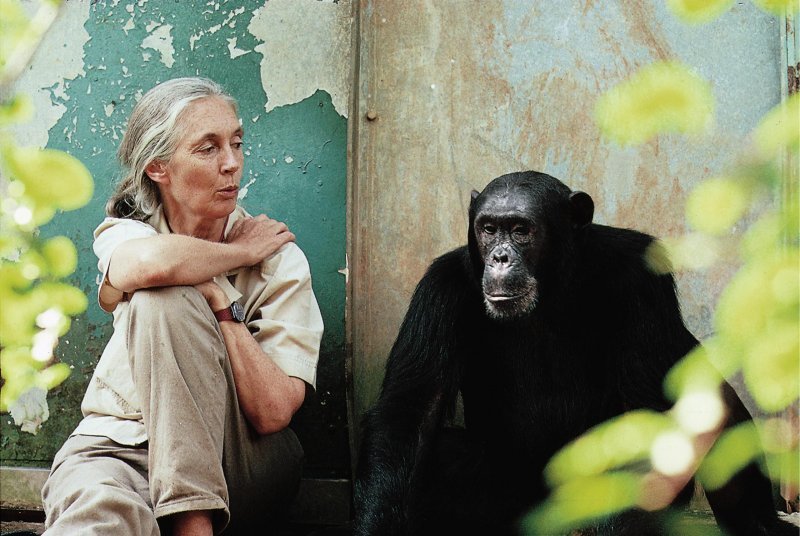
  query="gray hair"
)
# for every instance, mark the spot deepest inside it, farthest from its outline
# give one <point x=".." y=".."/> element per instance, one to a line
<point x="152" y="134"/>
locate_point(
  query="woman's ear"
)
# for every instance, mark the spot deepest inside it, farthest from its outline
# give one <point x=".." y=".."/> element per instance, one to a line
<point x="157" y="171"/>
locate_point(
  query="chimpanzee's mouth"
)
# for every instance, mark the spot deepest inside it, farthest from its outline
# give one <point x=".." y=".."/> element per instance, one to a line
<point x="500" y="298"/>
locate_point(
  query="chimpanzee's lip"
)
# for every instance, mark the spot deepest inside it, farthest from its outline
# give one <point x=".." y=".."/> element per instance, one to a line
<point x="495" y="298"/>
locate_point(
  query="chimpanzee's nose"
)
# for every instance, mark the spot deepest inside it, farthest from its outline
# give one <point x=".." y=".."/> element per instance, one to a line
<point x="500" y="257"/>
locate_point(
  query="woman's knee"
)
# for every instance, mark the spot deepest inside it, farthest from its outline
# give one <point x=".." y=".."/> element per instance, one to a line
<point x="168" y="299"/>
<point x="91" y="485"/>
<point x="271" y="478"/>
<point x="172" y="308"/>
<point x="101" y="508"/>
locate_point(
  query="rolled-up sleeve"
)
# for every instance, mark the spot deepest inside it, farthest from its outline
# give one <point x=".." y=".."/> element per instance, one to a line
<point x="284" y="316"/>
<point x="107" y="237"/>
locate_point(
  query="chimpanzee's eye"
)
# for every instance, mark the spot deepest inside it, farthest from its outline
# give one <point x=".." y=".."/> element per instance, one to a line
<point x="489" y="229"/>
<point x="521" y="230"/>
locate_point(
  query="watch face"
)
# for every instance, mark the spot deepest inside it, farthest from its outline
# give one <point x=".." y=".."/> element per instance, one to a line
<point x="238" y="312"/>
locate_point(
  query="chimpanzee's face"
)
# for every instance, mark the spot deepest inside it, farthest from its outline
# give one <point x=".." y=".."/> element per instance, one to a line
<point x="510" y="239"/>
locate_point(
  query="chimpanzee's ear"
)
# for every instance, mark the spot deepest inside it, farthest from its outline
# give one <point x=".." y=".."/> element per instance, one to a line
<point x="472" y="197"/>
<point x="582" y="209"/>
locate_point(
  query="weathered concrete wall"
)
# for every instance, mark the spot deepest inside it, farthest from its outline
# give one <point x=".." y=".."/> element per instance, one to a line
<point x="287" y="62"/>
<point x="454" y="93"/>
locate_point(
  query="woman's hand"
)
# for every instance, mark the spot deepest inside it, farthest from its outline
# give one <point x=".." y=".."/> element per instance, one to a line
<point x="258" y="238"/>
<point x="214" y="295"/>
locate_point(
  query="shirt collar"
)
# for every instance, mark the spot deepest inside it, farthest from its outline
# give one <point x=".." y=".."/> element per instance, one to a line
<point x="159" y="221"/>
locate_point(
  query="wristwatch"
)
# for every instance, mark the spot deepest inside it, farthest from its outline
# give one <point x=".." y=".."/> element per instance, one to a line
<point x="233" y="313"/>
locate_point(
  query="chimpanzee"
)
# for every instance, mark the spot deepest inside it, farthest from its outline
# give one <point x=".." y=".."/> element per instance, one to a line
<point x="547" y="324"/>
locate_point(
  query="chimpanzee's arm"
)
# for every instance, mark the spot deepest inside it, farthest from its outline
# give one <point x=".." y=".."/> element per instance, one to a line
<point x="654" y="340"/>
<point x="660" y="339"/>
<point x="421" y="381"/>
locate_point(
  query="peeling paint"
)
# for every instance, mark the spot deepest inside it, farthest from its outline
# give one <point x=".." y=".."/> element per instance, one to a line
<point x="235" y="52"/>
<point x="346" y="270"/>
<point x="230" y="22"/>
<point x="244" y="189"/>
<point x="47" y="87"/>
<point x="160" y="40"/>
<point x="311" y="198"/>
<point x="288" y="29"/>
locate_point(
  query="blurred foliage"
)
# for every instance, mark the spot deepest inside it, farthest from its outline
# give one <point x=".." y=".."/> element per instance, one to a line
<point x="702" y="11"/>
<point x="778" y="7"/>
<point x="662" y="97"/>
<point x="698" y="11"/>
<point x="20" y="34"/>
<point x="627" y="462"/>
<point x="35" y="304"/>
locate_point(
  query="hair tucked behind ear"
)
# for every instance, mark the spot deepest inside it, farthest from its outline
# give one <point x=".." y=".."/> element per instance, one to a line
<point x="152" y="134"/>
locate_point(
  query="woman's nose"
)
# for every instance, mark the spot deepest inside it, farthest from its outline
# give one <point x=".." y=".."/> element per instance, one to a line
<point x="230" y="162"/>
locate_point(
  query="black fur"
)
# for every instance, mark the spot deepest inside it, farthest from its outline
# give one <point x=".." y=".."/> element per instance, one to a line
<point x="599" y="341"/>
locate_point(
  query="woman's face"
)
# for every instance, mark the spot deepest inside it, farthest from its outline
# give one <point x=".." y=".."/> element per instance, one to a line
<point x="201" y="180"/>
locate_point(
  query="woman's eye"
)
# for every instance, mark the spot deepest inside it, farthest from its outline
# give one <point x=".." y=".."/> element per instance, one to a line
<point x="237" y="145"/>
<point x="207" y="149"/>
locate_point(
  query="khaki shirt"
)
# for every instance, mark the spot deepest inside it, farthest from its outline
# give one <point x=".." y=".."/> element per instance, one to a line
<point x="281" y="312"/>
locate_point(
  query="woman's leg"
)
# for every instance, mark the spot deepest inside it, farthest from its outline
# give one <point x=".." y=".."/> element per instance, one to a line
<point x="178" y="362"/>
<point x="202" y="450"/>
<point x="263" y="474"/>
<point x="98" y="487"/>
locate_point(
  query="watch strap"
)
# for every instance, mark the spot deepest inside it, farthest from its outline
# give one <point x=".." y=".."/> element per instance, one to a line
<point x="224" y="314"/>
<point x="234" y="313"/>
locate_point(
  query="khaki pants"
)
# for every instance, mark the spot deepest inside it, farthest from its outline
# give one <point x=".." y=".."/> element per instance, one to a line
<point x="201" y="453"/>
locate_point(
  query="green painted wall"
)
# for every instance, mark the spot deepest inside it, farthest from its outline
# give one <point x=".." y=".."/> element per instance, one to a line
<point x="295" y="163"/>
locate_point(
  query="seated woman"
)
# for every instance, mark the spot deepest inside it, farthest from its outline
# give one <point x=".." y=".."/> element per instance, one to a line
<point x="216" y="338"/>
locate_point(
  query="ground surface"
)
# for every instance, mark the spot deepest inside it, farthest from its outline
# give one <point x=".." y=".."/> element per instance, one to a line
<point x="8" y="526"/>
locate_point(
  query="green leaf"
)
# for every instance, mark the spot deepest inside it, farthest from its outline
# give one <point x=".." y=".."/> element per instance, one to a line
<point x="13" y="26"/>
<point x="53" y="375"/>
<point x="786" y="465"/>
<point x="694" y="373"/>
<point x="715" y="205"/>
<point x="61" y="256"/>
<point x="778" y="7"/>
<point x="52" y="179"/>
<point x="69" y="299"/>
<point x="771" y="368"/>
<point x="660" y="98"/>
<point x="616" y="442"/>
<point x="734" y="450"/>
<point x="698" y="11"/>
<point x="18" y="316"/>
<point x="780" y="128"/>
<point x="17" y="110"/>
<point x="583" y="501"/>
<point x="11" y="276"/>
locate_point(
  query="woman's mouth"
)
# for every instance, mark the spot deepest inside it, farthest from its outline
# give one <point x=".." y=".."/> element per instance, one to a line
<point x="229" y="192"/>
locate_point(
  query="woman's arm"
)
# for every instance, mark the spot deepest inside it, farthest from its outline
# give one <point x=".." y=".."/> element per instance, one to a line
<point x="268" y="397"/>
<point x="173" y="259"/>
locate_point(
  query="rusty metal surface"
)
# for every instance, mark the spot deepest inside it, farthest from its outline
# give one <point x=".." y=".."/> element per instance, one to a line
<point x="453" y="93"/>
